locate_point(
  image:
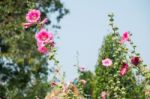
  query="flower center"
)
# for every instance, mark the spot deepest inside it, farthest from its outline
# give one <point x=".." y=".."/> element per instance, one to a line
<point x="106" y="62"/>
<point x="34" y="16"/>
<point x="44" y="37"/>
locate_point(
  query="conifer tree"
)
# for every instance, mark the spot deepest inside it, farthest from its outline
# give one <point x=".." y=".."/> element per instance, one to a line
<point x="23" y="70"/>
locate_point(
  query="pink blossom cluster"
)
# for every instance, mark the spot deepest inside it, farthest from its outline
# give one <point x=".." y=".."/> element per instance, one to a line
<point x="134" y="60"/>
<point x="44" y="40"/>
<point x="124" y="68"/>
<point x="108" y="62"/>
<point x="43" y="37"/>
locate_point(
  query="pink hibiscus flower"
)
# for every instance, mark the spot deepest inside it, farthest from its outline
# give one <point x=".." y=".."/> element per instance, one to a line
<point x="39" y="44"/>
<point x="125" y="37"/>
<point x="107" y="62"/>
<point x="44" y="36"/>
<point x="33" y="16"/>
<point x="103" y="94"/>
<point x="42" y="49"/>
<point x="82" y="69"/>
<point x="124" y="69"/>
<point x="135" y="60"/>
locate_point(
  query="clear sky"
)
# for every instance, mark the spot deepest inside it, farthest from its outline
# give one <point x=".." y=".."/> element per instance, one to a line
<point x="84" y="28"/>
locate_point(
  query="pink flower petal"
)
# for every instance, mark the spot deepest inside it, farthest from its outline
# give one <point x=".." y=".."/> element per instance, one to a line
<point x="124" y="38"/>
<point x="33" y="16"/>
<point x="107" y="62"/>
<point x="43" y="50"/>
<point x="123" y="69"/>
<point x="103" y="94"/>
<point x="44" y="36"/>
<point x="27" y="25"/>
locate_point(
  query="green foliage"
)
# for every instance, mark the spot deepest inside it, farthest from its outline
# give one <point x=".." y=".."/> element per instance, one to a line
<point x="23" y="71"/>
<point x="88" y="88"/>
<point x="108" y="78"/>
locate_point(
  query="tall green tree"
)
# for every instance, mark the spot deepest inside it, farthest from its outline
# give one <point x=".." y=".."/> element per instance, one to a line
<point x="109" y="78"/>
<point x="23" y="71"/>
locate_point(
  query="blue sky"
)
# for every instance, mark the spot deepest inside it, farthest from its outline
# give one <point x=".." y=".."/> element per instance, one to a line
<point x="85" y="27"/>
